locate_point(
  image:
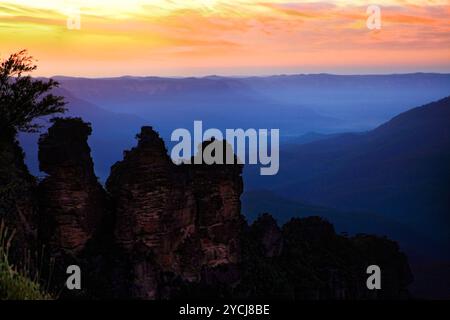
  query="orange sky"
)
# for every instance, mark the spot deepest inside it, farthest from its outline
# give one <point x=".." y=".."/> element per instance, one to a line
<point x="233" y="37"/>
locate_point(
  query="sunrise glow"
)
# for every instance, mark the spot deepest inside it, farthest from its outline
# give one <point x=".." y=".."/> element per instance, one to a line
<point x="179" y="37"/>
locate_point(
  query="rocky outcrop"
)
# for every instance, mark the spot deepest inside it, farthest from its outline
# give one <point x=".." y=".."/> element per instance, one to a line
<point x="268" y="234"/>
<point x="184" y="217"/>
<point x="316" y="263"/>
<point x="18" y="207"/>
<point x="164" y="231"/>
<point x="72" y="201"/>
<point x="217" y="191"/>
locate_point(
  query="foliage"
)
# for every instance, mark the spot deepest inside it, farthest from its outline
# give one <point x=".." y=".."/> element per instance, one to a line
<point x="15" y="285"/>
<point x="22" y="98"/>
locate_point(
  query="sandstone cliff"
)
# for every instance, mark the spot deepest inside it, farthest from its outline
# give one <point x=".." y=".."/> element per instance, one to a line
<point x="161" y="231"/>
<point x="314" y="262"/>
<point x="185" y="217"/>
<point x="72" y="201"/>
<point x="18" y="206"/>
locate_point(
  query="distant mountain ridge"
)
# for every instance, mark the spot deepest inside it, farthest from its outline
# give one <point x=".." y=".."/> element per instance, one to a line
<point x="113" y="133"/>
<point x="296" y="104"/>
<point x="400" y="170"/>
<point x="170" y="103"/>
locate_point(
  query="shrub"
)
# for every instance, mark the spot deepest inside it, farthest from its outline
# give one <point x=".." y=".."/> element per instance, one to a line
<point x="14" y="284"/>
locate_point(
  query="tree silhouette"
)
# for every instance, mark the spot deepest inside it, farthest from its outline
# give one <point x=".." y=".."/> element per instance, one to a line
<point x="22" y="98"/>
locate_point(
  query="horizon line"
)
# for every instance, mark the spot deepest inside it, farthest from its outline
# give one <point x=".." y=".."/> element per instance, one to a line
<point x="247" y="75"/>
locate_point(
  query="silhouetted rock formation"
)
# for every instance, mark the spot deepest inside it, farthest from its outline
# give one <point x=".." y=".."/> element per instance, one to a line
<point x="316" y="263"/>
<point x="166" y="231"/>
<point x="266" y="231"/>
<point x="183" y="217"/>
<point x="18" y="208"/>
<point x="217" y="190"/>
<point x="72" y="201"/>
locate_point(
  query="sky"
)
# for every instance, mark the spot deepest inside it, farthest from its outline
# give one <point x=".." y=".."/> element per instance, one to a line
<point x="226" y="37"/>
